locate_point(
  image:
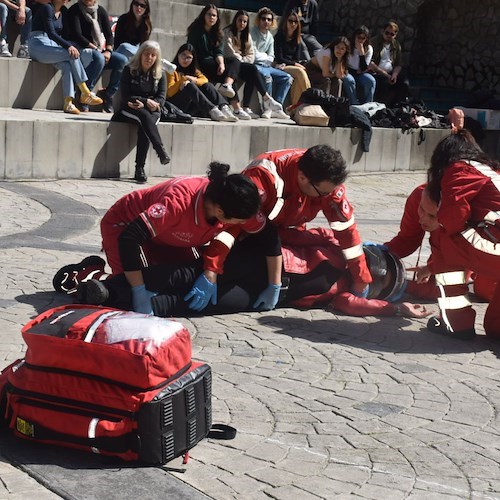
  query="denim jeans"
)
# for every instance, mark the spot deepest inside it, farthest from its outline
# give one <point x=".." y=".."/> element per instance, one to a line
<point x="365" y="82"/>
<point x="24" y="30"/>
<point x="93" y="62"/>
<point x="45" y="50"/>
<point x="127" y="49"/>
<point x="282" y="81"/>
<point x="96" y="65"/>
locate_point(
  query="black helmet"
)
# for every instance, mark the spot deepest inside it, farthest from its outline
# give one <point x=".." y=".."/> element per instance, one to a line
<point x="381" y="262"/>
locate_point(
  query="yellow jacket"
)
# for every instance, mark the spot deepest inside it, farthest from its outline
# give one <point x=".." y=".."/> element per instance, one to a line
<point x="175" y="80"/>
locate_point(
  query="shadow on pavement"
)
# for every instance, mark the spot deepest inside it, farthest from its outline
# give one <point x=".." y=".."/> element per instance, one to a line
<point x="41" y="301"/>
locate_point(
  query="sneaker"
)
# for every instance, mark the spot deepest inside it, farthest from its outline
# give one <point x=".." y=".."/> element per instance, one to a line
<point x="267" y="114"/>
<point x="168" y="67"/>
<point x="251" y="114"/>
<point x="23" y="52"/>
<point x="228" y="114"/>
<point x="272" y="105"/>
<point x="226" y="90"/>
<point x="71" y="109"/>
<point x="92" y="292"/>
<point x="437" y="325"/>
<point x="69" y="277"/>
<point x="140" y="176"/>
<point x="91" y="99"/>
<point x="217" y="115"/>
<point x="4" y="49"/>
<point x="279" y="114"/>
<point x="242" y="115"/>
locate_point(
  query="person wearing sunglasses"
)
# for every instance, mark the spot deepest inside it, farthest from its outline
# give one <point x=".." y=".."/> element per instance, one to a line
<point x="386" y="66"/>
<point x="133" y="28"/>
<point x="308" y="12"/>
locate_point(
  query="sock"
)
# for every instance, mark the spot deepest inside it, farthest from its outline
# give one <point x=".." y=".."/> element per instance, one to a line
<point x="83" y="88"/>
<point x="67" y="101"/>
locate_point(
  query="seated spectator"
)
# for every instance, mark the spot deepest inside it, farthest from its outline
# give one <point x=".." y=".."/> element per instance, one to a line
<point x="308" y="13"/>
<point x="291" y="54"/>
<point x="89" y="27"/>
<point x="133" y="28"/>
<point x="392" y="84"/>
<point x="189" y="89"/>
<point x="238" y="44"/>
<point x="327" y="70"/>
<point x="18" y="11"/>
<point x="46" y="45"/>
<point x="358" y="61"/>
<point x="264" y="58"/>
<point x="142" y="92"/>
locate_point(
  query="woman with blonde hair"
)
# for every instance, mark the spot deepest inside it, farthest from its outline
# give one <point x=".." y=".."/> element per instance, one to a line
<point x="291" y="54"/>
<point x="143" y="88"/>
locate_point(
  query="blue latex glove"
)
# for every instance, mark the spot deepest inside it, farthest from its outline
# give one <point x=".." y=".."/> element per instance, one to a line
<point x="373" y="244"/>
<point x="141" y="299"/>
<point x="202" y="293"/>
<point x="268" y="298"/>
<point x="363" y="294"/>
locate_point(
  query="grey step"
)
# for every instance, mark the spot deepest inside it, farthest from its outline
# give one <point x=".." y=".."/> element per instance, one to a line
<point x="47" y="144"/>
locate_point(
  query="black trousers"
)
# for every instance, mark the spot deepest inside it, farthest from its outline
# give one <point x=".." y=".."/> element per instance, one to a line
<point x="244" y="278"/>
<point x="389" y="94"/>
<point x="253" y="80"/>
<point x="147" y="131"/>
<point x="198" y="101"/>
<point x="209" y="69"/>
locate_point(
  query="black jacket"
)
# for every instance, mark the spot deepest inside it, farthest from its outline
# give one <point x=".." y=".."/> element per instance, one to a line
<point x="80" y="30"/>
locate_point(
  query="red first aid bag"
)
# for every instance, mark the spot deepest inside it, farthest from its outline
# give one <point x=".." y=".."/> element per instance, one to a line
<point x="128" y="389"/>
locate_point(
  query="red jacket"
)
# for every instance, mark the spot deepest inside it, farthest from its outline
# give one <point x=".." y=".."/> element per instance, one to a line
<point x="174" y="215"/>
<point x="276" y="175"/>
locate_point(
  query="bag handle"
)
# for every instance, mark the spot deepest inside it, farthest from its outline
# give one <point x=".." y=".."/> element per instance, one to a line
<point x="222" y="431"/>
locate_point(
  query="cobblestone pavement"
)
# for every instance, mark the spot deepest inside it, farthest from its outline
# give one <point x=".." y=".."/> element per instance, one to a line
<point x="326" y="406"/>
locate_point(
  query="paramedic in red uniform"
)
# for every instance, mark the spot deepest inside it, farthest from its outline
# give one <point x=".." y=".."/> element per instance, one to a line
<point x="465" y="183"/>
<point x="138" y="230"/>
<point x="295" y="185"/>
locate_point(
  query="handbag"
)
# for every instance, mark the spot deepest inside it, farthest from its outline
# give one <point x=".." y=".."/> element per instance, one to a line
<point x="171" y="113"/>
<point x="310" y="114"/>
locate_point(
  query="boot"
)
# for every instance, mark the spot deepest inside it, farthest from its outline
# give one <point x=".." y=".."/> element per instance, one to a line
<point x="69" y="277"/>
<point x="140" y="175"/>
<point x="163" y="156"/>
<point x="92" y="292"/>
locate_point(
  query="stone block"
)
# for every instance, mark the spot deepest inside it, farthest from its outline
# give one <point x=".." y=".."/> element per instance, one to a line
<point x="19" y="150"/>
<point x="3" y="125"/>
<point x="45" y="149"/>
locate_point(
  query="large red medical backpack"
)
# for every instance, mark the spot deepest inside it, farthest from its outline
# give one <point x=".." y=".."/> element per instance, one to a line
<point x="107" y="381"/>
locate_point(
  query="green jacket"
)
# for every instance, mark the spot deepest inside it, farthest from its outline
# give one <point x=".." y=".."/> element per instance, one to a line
<point x="203" y="46"/>
<point x="377" y="42"/>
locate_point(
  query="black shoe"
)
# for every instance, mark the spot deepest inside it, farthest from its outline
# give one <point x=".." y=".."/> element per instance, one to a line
<point x="163" y="156"/>
<point x="140" y="175"/>
<point x="107" y="104"/>
<point x="437" y="325"/>
<point x="92" y="292"/>
<point x="66" y="279"/>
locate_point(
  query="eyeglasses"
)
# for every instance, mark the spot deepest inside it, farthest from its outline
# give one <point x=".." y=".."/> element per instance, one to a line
<point x="320" y="193"/>
<point x="186" y="58"/>
<point x="390" y="33"/>
<point x="140" y="5"/>
<point x="268" y="19"/>
<point x="293" y="21"/>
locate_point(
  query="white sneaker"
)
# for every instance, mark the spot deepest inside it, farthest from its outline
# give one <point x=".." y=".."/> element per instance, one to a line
<point x="226" y="110"/>
<point x="217" y="115"/>
<point x="279" y="114"/>
<point x="242" y="115"/>
<point x="272" y="105"/>
<point x="168" y="67"/>
<point x="251" y="114"/>
<point x="23" y="52"/>
<point x="226" y="90"/>
<point x="4" y="49"/>
<point x="267" y="114"/>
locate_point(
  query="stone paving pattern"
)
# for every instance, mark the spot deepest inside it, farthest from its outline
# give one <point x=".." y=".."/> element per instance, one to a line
<point x="326" y="406"/>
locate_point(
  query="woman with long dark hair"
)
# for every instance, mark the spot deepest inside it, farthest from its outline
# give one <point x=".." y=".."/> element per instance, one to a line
<point x="291" y="54"/>
<point x="327" y="70"/>
<point x="238" y="43"/>
<point x="165" y="222"/>
<point x="142" y="92"/>
<point x="465" y="183"/>
<point x="133" y="28"/>
<point x="189" y="89"/>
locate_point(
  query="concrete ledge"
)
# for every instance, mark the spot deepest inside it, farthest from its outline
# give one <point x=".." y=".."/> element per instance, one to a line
<point x="47" y="144"/>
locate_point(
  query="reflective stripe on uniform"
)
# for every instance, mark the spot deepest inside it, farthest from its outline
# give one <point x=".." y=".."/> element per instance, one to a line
<point x="91" y="432"/>
<point x="451" y="278"/>
<point x="225" y="238"/>
<point x="480" y="243"/>
<point x="279" y="185"/>
<point x="453" y="302"/>
<point x="144" y="217"/>
<point x="342" y="226"/>
<point x="353" y="252"/>
<point x="487" y="171"/>
<point x="492" y="217"/>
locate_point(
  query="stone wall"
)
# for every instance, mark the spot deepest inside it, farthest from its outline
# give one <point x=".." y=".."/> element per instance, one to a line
<point x="455" y="43"/>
